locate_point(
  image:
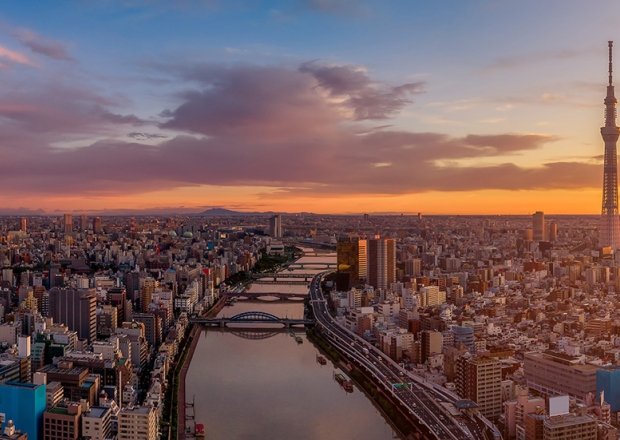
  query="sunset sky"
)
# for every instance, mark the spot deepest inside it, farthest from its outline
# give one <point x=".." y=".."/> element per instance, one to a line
<point x="330" y="106"/>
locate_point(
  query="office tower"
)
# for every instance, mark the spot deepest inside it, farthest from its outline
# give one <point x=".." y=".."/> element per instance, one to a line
<point x="137" y="423"/>
<point x="553" y="231"/>
<point x="77" y="308"/>
<point x="347" y="258"/>
<point x="24" y="403"/>
<point x="538" y="226"/>
<point x="381" y="262"/>
<point x="83" y="223"/>
<point x="363" y="258"/>
<point x="480" y="380"/>
<point x="68" y="223"/>
<point x="275" y="226"/>
<point x="413" y="267"/>
<point x="97" y="225"/>
<point x="23" y="224"/>
<point x="609" y="230"/>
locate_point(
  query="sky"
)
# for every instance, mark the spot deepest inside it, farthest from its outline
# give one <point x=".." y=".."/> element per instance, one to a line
<point x="328" y="106"/>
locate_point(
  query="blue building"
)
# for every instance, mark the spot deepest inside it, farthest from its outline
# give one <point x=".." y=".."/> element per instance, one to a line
<point x="608" y="380"/>
<point x="464" y="335"/>
<point x="24" y="403"/>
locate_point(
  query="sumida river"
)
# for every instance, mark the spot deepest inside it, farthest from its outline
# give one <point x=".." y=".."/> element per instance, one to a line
<point x="267" y="386"/>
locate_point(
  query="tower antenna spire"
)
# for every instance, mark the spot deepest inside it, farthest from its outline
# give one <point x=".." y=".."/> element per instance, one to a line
<point x="610" y="44"/>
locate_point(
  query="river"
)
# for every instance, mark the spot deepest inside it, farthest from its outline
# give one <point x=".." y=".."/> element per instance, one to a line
<point x="265" y="385"/>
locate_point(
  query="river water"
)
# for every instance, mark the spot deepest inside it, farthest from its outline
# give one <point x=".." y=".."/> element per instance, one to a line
<point x="263" y="385"/>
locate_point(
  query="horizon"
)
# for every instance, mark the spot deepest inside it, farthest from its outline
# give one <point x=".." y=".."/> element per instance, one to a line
<point x="145" y="105"/>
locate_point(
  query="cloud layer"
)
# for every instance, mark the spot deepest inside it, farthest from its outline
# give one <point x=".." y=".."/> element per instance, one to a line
<point x="308" y="129"/>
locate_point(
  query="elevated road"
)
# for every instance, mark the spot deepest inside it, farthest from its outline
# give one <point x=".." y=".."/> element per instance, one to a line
<point x="423" y="401"/>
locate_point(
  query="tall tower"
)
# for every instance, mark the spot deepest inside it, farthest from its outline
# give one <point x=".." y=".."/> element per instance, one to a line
<point x="610" y="223"/>
<point x="538" y="225"/>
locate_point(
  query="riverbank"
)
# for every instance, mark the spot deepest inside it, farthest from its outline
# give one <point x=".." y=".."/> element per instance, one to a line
<point x="178" y="393"/>
<point x="390" y="411"/>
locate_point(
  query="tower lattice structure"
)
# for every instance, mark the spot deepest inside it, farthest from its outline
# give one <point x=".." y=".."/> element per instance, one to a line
<point x="610" y="222"/>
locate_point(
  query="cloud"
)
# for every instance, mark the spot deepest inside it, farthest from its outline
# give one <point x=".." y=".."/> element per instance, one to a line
<point x="15" y="57"/>
<point x="56" y="109"/>
<point x="254" y="101"/>
<point x="43" y="46"/>
<point x="141" y="136"/>
<point x="251" y="101"/>
<point x="368" y="99"/>
<point x="300" y="131"/>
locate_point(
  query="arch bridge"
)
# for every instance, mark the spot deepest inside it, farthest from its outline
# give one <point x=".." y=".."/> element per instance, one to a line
<point x="253" y="317"/>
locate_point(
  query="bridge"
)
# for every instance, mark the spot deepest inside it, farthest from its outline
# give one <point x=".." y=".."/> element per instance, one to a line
<point x="312" y="265"/>
<point x="283" y="282"/>
<point x="250" y="318"/>
<point x="294" y="275"/>
<point x="280" y="295"/>
<point x="282" y="278"/>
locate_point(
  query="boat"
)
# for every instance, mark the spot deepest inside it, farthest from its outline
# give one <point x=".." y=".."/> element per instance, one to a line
<point x="344" y="382"/>
<point x="299" y="340"/>
<point x="199" y="432"/>
<point x="321" y="359"/>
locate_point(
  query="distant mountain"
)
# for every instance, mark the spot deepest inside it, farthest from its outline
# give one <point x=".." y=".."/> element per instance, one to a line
<point x="217" y="212"/>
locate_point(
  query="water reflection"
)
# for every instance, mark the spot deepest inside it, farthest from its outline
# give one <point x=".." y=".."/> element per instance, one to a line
<point x="262" y="383"/>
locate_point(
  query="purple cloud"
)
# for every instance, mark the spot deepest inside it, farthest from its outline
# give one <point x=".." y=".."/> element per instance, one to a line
<point x="41" y="45"/>
<point x="297" y="130"/>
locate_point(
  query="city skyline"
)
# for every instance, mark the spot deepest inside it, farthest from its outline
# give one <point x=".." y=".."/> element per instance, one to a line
<point x="141" y="105"/>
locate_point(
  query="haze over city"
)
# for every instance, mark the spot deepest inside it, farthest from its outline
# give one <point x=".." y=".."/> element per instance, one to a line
<point x="332" y="106"/>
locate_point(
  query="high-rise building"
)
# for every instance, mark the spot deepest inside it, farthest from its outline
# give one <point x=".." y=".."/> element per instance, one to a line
<point x="77" y="308"/>
<point x="347" y="258"/>
<point x="609" y="230"/>
<point x="275" y="226"/>
<point x="68" y="223"/>
<point x="381" y="262"/>
<point x="363" y="258"/>
<point x="23" y="224"/>
<point x="431" y="342"/>
<point x="137" y="423"/>
<point x="97" y="225"/>
<point x="146" y="293"/>
<point x="553" y="231"/>
<point x="97" y="423"/>
<point x="83" y="223"/>
<point x="480" y="380"/>
<point x="24" y="403"/>
<point x="538" y="226"/>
